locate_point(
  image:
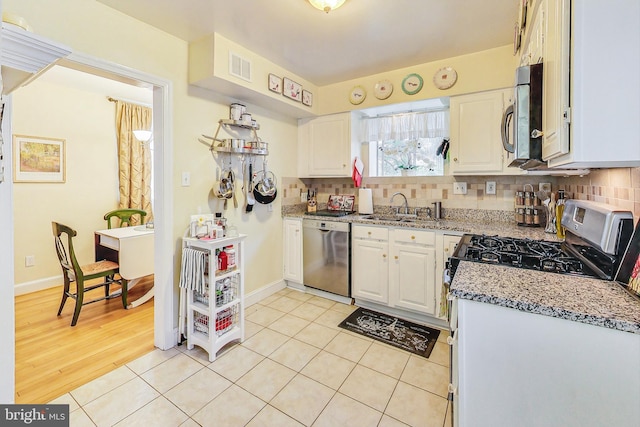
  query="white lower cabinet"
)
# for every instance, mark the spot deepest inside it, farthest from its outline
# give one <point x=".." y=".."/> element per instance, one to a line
<point x="512" y="368"/>
<point x="370" y="263"/>
<point x="292" y="245"/>
<point x="412" y="278"/>
<point x="395" y="267"/>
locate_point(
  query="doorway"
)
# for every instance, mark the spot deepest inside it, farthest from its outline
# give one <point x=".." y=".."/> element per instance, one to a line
<point x="164" y="313"/>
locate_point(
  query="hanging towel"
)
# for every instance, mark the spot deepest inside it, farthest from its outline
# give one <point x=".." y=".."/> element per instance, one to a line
<point x="194" y="263"/>
<point x="358" y="169"/>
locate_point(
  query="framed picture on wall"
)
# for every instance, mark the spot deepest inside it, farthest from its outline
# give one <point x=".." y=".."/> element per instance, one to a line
<point x="38" y="159"/>
<point x="292" y="90"/>
<point x="307" y="98"/>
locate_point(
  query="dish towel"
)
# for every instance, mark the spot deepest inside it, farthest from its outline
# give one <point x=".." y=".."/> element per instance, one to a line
<point x="358" y="169"/>
<point x="194" y="263"/>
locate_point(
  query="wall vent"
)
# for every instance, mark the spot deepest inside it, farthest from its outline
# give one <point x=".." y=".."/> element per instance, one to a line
<point x="239" y="67"/>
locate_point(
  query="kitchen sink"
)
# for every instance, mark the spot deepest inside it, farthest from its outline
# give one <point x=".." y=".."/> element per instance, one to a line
<point x="391" y="218"/>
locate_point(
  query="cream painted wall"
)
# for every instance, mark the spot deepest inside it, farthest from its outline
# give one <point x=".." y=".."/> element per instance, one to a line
<point x="486" y="70"/>
<point x="92" y="28"/>
<point x="86" y="122"/>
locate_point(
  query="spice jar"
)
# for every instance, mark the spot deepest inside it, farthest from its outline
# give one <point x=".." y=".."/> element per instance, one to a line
<point x="520" y="215"/>
<point x="519" y="198"/>
<point x="536" y="216"/>
<point x="528" y="216"/>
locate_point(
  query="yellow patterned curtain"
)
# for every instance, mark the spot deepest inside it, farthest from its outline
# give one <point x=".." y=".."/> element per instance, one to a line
<point x="134" y="157"/>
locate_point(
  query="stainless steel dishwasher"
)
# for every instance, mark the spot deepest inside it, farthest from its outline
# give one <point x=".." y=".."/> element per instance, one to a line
<point x="326" y="255"/>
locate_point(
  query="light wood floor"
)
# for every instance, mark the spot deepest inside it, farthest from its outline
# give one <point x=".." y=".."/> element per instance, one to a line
<point x="53" y="358"/>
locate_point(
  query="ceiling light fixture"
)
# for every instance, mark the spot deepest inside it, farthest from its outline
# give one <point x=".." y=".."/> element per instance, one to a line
<point x="326" y="5"/>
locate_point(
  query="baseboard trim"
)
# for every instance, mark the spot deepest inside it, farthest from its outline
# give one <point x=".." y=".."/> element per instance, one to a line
<point x="264" y="292"/>
<point x="38" y="285"/>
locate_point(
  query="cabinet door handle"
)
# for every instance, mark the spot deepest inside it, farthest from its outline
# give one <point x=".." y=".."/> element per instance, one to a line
<point x="384" y="255"/>
<point x="368" y="232"/>
<point x="455" y="159"/>
<point x="446" y="249"/>
<point x="396" y="257"/>
<point x="413" y="237"/>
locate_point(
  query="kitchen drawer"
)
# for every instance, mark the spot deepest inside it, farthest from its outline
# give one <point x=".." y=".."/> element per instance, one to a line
<point x="368" y="232"/>
<point x="406" y="235"/>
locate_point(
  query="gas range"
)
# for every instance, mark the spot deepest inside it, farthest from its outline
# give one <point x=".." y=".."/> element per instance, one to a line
<point x="522" y="253"/>
<point x="597" y="237"/>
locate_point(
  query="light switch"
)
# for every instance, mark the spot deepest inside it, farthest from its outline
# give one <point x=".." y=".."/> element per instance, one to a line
<point x="186" y="179"/>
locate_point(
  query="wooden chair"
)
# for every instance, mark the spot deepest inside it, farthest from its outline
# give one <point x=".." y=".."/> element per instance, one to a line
<point x="74" y="272"/>
<point x="125" y="216"/>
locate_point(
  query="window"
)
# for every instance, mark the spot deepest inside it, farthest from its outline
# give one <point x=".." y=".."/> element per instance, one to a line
<point x="406" y="143"/>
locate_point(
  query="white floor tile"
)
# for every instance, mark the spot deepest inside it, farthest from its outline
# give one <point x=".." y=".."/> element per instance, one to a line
<point x="348" y="346"/>
<point x="151" y="360"/>
<point x="369" y="387"/>
<point x="236" y="363"/>
<point x="270" y="417"/>
<point x="427" y="375"/>
<point x="266" y="379"/>
<point x="171" y="372"/>
<point x="234" y="407"/>
<point x="294" y="354"/>
<point x="316" y="335"/>
<point x="121" y="402"/>
<point x="293" y="369"/>
<point x="328" y="369"/>
<point x="104" y="384"/>
<point x="385" y="359"/>
<point x="344" y="411"/>
<point x="79" y="418"/>
<point x="196" y="391"/>
<point x="303" y="399"/>
<point x="265" y="342"/>
<point x="158" y="413"/>
<point x="416" y="407"/>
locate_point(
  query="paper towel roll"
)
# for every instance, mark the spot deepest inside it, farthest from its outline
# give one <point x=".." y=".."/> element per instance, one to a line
<point x="365" y="201"/>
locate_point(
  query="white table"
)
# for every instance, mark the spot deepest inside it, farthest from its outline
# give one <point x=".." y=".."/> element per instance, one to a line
<point x="132" y="249"/>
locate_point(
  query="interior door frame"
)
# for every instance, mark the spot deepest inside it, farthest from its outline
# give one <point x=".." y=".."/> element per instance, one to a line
<point x="165" y="335"/>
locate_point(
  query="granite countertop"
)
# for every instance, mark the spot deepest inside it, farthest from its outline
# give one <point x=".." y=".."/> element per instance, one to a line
<point x="469" y="225"/>
<point x="591" y="301"/>
<point x="586" y="300"/>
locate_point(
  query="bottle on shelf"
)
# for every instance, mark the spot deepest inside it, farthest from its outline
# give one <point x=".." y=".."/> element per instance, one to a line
<point x="231" y="256"/>
<point x="222" y="260"/>
<point x="559" y="212"/>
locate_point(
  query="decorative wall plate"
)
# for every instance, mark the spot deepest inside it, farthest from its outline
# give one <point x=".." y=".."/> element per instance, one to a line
<point x="445" y="77"/>
<point x="383" y="89"/>
<point x="357" y="95"/>
<point x="412" y="84"/>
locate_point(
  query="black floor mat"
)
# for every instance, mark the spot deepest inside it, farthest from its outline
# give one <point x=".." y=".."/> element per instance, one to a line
<point x="391" y="330"/>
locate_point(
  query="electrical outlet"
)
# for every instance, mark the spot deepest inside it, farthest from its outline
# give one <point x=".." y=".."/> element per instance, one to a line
<point x="490" y="187"/>
<point x="459" y="188"/>
<point x="186" y="179"/>
<point x="544" y="186"/>
<point x="29" y="261"/>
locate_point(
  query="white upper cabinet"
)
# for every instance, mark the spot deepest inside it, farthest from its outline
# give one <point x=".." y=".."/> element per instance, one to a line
<point x="600" y="41"/>
<point x="476" y="143"/>
<point x="554" y="17"/>
<point x="327" y="145"/>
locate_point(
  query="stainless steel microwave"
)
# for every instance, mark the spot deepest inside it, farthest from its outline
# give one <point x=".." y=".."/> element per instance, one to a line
<point x="522" y="121"/>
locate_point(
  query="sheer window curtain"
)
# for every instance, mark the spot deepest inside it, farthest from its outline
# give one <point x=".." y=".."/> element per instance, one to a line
<point x="134" y="157"/>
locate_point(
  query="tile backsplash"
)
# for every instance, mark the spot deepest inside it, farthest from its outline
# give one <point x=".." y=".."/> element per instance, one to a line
<point x="619" y="187"/>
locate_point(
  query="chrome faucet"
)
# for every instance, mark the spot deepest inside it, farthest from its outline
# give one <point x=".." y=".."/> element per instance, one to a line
<point x="406" y="204"/>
